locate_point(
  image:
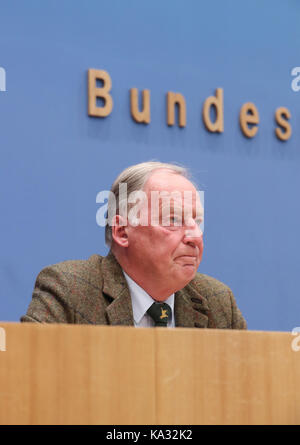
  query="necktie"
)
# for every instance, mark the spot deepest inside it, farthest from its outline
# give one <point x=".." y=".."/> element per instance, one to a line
<point x="160" y="313"/>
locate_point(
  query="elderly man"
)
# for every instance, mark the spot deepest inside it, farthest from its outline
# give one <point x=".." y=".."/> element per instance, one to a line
<point x="149" y="277"/>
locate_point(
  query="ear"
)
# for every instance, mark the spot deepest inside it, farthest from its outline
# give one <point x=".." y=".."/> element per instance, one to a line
<point x="120" y="231"/>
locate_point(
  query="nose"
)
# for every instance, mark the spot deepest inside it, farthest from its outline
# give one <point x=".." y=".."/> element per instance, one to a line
<point x="193" y="234"/>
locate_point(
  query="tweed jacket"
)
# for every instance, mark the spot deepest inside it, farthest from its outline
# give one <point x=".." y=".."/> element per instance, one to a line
<point x="95" y="291"/>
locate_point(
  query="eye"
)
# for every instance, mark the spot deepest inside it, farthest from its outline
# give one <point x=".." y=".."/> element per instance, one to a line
<point x="175" y="220"/>
<point x="172" y="222"/>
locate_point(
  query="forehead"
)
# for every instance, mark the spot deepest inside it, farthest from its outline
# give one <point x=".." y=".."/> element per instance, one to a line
<point x="172" y="192"/>
<point x="166" y="180"/>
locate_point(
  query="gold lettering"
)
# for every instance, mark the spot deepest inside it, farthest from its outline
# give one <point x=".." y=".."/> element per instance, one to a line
<point x="144" y="115"/>
<point x="281" y="116"/>
<point x="103" y="93"/>
<point x="246" y="118"/>
<point x="217" y="102"/>
<point x="172" y="100"/>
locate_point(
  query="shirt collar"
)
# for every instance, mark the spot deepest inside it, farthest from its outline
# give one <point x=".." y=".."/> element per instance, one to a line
<point x="141" y="300"/>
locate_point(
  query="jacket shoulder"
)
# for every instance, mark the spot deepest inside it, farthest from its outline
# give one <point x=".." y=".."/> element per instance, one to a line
<point x="67" y="292"/>
<point x="77" y="266"/>
<point x="209" y="286"/>
<point x="75" y="274"/>
<point x="220" y="300"/>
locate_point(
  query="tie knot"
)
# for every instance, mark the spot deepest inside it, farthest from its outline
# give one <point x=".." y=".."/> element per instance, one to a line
<point x="161" y="313"/>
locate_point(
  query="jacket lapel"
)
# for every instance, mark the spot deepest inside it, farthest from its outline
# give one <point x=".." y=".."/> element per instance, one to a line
<point x="119" y="311"/>
<point x="191" y="309"/>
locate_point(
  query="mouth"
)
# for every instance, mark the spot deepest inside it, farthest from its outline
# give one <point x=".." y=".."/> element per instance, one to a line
<point x="189" y="260"/>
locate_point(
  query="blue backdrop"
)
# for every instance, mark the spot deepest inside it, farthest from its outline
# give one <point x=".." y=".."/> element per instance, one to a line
<point x="55" y="159"/>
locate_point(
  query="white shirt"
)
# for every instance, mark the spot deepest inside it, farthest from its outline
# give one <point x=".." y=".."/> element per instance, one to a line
<point x="141" y="301"/>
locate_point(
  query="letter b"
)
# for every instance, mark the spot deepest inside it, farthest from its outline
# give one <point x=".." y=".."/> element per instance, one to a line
<point x="103" y="93"/>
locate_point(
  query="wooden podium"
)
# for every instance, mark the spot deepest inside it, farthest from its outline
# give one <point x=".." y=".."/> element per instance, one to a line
<point x="75" y="374"/>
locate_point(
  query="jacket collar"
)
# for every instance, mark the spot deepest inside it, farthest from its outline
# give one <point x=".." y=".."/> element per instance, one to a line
<point x="119" y="312"/>
<point x="191" y="309"/>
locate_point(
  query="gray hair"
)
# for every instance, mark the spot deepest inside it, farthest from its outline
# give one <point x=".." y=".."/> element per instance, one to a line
<point x="136" y="177"/>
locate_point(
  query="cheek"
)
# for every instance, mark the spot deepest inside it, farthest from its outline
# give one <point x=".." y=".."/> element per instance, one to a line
<point x="200" y="254"/>
<point x="161" y="242"/>
<point x="201" y="246"/>
<point x="172" y="243"/>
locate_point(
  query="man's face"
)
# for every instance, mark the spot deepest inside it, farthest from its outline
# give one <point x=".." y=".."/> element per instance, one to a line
<point x="167" y="253"/>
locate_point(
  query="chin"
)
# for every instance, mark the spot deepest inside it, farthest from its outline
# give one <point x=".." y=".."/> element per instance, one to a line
<point x="186" y="276"/>
<point x="190" y="272"/>
<point x="190" y="267"/>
